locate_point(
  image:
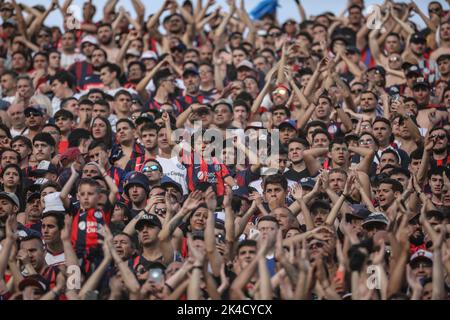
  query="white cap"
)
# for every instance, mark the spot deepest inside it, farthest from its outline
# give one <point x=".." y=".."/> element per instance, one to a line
<point x="53" y="202"/>
<point x="133" y="52"/>
<point x="245" y="63"/>
<point x="421" y="254"/>
<point x="90" y="39"/>
<point x="149" y="55"/>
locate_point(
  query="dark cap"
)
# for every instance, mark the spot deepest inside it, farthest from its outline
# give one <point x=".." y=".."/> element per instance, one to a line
<point x="353" y="50"/>
<point x="148" y="219"/>
<point x="288" y="123"/>
<point x="376" y="217"/>
<point x="413" y="70"/>
<point x="33" y="196"/>
<point x="378" y="69"/>
<point x="168" y="182"/>
<point x="32" y="110"/>
<point x="421" y="83"/>
<point x="44" y="167"/>
<point x="418" y="38"/>
<point x="139" y="179"/>
<point x="34" y="280"/>
<point x="190" y="71"/>
<point x="240" y="191"/>
<point x="307" y="182"/>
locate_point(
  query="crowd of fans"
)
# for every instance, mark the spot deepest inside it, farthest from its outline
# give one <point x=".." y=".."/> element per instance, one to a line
<point x="190" y="151"/>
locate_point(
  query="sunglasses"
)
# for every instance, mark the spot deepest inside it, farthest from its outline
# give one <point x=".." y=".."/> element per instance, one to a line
<point x="275" y="34"/>
<point x="358" y="91"/>
<point x="365" y="142"/>
<point x="316" y="245"/>
<point x="33" y="114"/>
<point x="203" y="112"/>
<point x="394" y="59"/>
<point x="421" y="264"/>
<point x="150" y="168"/>
<point x="160" y="210"/>
<point x="438" y="136"/>
<point x="280" y="91"/>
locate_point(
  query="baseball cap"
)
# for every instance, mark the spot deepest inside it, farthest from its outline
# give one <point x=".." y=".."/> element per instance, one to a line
<point x="148" y="219"/>
<point x="307" y="182"/>
<point x="169" y="182"/>
<point x="33" y="196"/>
<point x="10" y="196"/>
<point x="376" y="217"/>
<point x="9" y="22"/>
<point x="413" y="70"/>
<point x="149" y="55"/>
<point x="190" y="71"/>
<point x="34" y="280"/>
<point x="378" y="70"/>
<point x="255" y="125"/>
<point x="288" y="123"/>
<point x="139" y="179"/>
<point x="133" y="52"/>
<point x="245" y="64"/>
<point x="222" y="101"/>
<point x="32" y="110"/>
<point x="421" y="255"/>
<point x="240" y="191"/>
<point x="45" y="167"/>
<point x="359" y="211"/>
<point x="421" y="83"/>
<point x="353" y="50"/>
<point x="418" y="38"/>
<point x="89" y="39"/>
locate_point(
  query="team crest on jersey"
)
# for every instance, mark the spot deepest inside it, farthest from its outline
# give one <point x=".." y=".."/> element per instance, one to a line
<point x="180" y="166"/>
<point x="82" y="225"/>
<point x="98" y="214"/>
<point x="217" y="167"/>
<point x="200" y="175"/>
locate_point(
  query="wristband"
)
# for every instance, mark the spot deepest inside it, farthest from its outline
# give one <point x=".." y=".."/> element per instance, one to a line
<point x="197" y="267"/>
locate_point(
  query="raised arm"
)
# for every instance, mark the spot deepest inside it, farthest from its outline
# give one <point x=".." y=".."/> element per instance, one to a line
<point x="95" y="278"/>
<point x="310" y="157"/>
<point x="214" y="257"/>
<point x="65" y="192"/>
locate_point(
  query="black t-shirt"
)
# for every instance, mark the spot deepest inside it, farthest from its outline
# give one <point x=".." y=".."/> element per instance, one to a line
<point x="296" y="176"/>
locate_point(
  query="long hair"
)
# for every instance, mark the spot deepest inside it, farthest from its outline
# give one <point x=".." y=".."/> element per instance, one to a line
<point x="108" y="138"/>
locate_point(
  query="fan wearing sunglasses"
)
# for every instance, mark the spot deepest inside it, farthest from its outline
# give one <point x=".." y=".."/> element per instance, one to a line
<point x="153" y="170"/>
<point x="440" y="152"/>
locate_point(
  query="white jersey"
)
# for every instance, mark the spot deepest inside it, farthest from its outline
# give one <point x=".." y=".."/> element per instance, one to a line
<point x="175" y="170"/>
<point x="54" y="260"/>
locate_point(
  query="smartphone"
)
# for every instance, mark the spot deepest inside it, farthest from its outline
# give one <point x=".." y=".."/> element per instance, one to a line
<point x="221" y="238"/>
<point x="156" y="275"/>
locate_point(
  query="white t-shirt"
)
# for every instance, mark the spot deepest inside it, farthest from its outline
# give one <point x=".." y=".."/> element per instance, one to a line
<point x="15" y="133"/>
<point x="54" y="260"/>
<point x="174" y="170"/>
<point x="68" y="59"/>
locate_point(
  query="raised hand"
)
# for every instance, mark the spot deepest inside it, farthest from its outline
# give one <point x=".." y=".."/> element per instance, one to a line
<point x="193" y="200"/>
<point x="297" y="192"/>
<point x="211" y="199"/>
<point x="11" y="227"/>
<point x="65" y="232"/>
